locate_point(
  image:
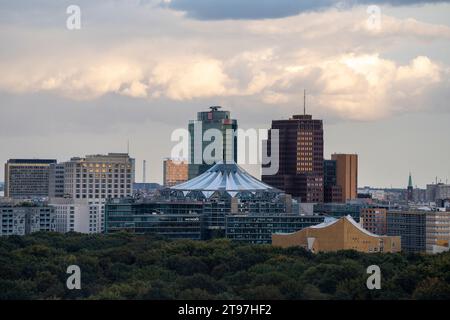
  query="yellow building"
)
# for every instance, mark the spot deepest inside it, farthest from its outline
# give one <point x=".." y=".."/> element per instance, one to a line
<point x="342" y="234"/>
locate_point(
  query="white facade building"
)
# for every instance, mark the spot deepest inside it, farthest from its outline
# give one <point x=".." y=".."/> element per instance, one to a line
<point x="79" y="215"/>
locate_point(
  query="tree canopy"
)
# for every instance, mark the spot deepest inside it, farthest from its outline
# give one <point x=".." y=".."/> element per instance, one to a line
<point x="128" y="266"/>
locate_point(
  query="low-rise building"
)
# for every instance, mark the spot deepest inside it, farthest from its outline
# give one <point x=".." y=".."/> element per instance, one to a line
<point x="79" y="215"/>
<point x="258" y="229"/>
<point x="25" y="219"/>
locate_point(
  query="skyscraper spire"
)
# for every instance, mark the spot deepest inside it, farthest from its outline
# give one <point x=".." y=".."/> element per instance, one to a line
<point x="410" y="184"/>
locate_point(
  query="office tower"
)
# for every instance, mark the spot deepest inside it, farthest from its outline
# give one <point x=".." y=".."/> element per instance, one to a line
<point x="21" y="220"/>
<point x="374" y="220"/>
<point x="342" y="234"/>
<point x="300" y="171"/>
<point x="78" y="215"/>
<point x="410" y="189"/>
<point x="410" y="225"/>
<point x="27" y="178"/>
<point x="99" y="176"/>
<point x="347" y="174"/>
<point x="174" y="172"/>
<point x="332" y="192"/>
<point x="213" y="119"/>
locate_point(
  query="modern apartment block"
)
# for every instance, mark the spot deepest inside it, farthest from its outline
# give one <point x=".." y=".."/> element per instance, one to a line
<point x="374" y="220"/>
<point x="25" y="219"/>
<point x="437" y="231"/>
<point x="79" y="215"/>
<point x="99" y="176"/>
<point x="214" y="119"/>
<point x="347" y="174"/>
<point x="27" y="178"/>
<point x="410" y="226"/>
<point x="174" y="172"/>
<point x="300" y="171"/>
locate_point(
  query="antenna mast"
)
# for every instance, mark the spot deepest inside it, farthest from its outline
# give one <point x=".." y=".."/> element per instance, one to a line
<point x="304" y="102"/>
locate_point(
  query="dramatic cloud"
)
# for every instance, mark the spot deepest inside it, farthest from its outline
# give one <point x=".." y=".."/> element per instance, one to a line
<point x="345" y="66"/>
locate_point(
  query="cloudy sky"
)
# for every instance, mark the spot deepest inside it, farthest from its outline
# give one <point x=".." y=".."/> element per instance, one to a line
<point x="137" y="70"/>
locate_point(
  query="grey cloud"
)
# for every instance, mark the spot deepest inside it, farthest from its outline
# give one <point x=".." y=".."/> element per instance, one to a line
<point x="267" y="9"/>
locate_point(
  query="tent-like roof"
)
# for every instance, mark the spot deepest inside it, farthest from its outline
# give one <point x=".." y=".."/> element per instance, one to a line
<point x="224" y="176"/>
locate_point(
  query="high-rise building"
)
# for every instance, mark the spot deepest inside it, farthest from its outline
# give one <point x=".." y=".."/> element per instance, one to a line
<point x="300" y="171"/>
<point x="174" y="172"/>
<point x="347" y="175"/>
<point x="410" y="225"/>
<point x="99" y="176"/>
<point x="27" y="178"/>
<point x="332" y="192"/>
<point x="206" y="120"/>
<point x="374" y="220"/>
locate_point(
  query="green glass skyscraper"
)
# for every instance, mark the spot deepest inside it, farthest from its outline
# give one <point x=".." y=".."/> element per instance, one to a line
<point x="199" y="141"/>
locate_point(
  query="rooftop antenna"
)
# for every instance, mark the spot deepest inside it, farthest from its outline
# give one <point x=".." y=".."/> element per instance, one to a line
<point x="304" y="102"/>
<point x="128" y="146"/>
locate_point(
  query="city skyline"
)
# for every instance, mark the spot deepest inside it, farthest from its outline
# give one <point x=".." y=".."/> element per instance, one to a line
<point x="136" y="71"/>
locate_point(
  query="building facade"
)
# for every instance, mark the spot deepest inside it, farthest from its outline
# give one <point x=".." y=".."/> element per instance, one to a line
<point x="438" y="191"/>
<point x="99" y="176"/>
<point x="25" y="219"/>
<point x="174" y="172"/>
<point x="79" y="215"/>
<point x="258" y="229"/>
<point x="332" y="192"/>
<point x="27" y="178"/>
<point x="300" y="171"/>
<point x="347" y="175"/>
<point x="374" y="220"/>
<point x="172" y="220"/>
<point x="410" y="226"/>
<point x="342" y="234"/>
<point x="217" y="120"/>
<point x="437" y="231"/>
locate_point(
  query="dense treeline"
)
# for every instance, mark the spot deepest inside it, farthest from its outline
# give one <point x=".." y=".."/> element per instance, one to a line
<point x="126" y="266"/>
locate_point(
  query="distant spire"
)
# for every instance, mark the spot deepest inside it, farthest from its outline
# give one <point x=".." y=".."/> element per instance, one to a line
<point x="410" y="184"/>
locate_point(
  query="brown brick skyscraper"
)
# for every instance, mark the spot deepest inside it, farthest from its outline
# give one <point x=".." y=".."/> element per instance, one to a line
<point x="300" y="158"/>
